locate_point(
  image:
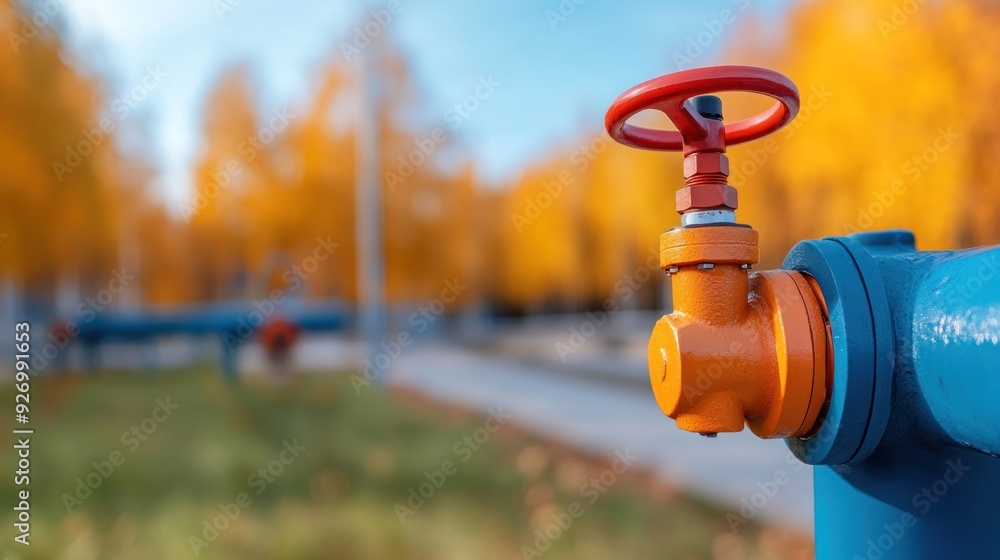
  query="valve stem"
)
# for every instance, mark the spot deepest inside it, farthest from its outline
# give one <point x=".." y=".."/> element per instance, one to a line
<point x="709" y="106"/>
<point x="707" y="198"/>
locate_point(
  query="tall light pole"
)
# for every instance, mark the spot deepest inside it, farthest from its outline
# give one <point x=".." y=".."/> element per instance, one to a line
<point x="368" y="199"/>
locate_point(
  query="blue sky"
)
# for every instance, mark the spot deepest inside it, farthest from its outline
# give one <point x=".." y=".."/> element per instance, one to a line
<point x="558" y="62"/>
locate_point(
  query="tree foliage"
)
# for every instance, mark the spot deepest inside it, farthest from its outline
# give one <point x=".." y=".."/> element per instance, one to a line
<point x="897" y="129"/>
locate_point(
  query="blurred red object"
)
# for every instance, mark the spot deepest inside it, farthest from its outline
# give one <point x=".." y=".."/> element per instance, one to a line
<point x="278" y="336"/>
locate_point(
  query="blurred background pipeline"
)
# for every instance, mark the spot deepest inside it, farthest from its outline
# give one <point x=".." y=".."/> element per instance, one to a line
<point x="509" y="235"/>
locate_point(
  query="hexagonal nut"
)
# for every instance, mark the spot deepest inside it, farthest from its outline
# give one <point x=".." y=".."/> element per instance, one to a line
<point x="703" y="197"/>
<point x="706" y="162"/>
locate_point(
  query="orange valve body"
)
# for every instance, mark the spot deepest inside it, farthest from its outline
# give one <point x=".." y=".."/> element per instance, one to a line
<point x="739" y="347"/>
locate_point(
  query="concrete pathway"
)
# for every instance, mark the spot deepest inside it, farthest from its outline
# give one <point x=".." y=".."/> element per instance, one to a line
<point x="603" y="417"/>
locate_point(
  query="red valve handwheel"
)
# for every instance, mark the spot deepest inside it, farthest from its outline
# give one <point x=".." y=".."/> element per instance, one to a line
<point x="695" y="133"/>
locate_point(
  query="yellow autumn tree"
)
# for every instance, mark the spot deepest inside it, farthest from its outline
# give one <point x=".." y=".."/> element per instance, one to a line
<point x="63" y="178"/>
<point x="893" y="131"/>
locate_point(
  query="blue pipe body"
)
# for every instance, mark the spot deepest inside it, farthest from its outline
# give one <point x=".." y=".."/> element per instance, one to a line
<point x="231" y="322"/>
<point x="906" y="458"/>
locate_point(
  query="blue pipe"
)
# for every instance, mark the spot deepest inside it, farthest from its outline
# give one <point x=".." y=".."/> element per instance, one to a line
<point x="229" y="321"/>
<point x="906" y="457"/>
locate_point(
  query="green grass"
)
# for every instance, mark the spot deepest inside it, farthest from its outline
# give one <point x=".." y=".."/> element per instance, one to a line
<point x="337" y="499"/>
